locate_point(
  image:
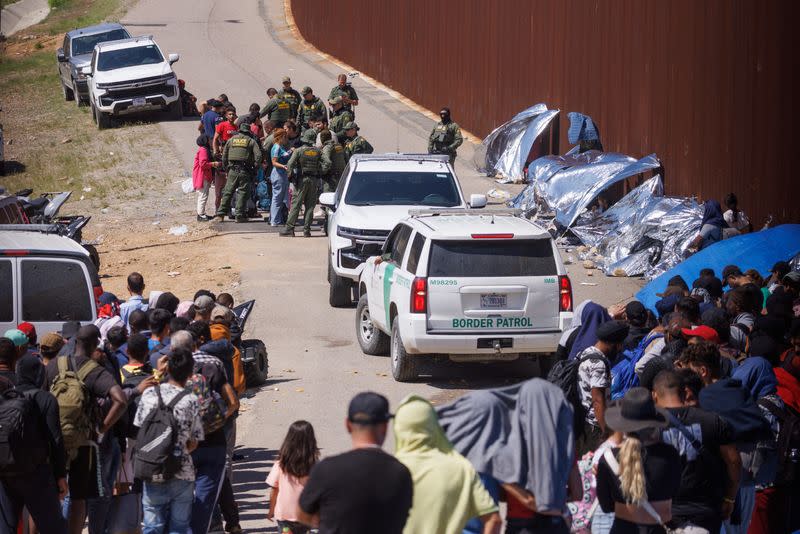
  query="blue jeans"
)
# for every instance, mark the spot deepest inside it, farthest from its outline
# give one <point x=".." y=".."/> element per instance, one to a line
<point x="209" y="463"/>
<point x="280" y="196"/>
<point x="167" y="506"/>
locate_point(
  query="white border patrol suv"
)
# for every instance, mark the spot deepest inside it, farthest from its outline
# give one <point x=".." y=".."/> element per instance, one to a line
<point x="473" y="285"/>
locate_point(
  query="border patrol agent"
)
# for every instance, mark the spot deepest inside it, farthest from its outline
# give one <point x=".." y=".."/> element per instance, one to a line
<point x="355" y="144"/>
<point x="312" y="168"/>
<point x="279" y="109"/>
<point x="339" y="116"/>
<point x="291" y="95"/>
<point x="310" y="107"/>
<point x="333" y="156"/>
<point x="348" y="94"/>
<point x="445" y="137"/>
<point x="241" y="157"/>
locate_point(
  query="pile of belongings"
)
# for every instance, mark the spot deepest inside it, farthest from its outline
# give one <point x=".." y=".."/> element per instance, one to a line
<point x="504" y="152"/>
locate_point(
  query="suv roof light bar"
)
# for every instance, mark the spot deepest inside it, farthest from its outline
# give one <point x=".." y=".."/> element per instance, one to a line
<point x="434" y="212"/>
<point x="391" y="156"/>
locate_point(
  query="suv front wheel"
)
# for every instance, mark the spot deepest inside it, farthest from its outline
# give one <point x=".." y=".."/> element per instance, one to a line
<point x="103" y="120"/>
<point x="404" y="367"/>
<point x="341" y="289"/>
<point x="69" y="94"/>
<point x="372" y="340"/>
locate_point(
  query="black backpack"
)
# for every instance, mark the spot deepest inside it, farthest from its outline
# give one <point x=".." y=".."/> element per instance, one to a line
<point x="130" y="380"/>
<point x="155" y="459"/>
<point x="564" y="374"/>
<point x="22" y="445"/>
<point x="788" y="442"/>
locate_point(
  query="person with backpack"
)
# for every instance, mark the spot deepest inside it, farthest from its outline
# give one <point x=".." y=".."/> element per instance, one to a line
<point x="218" y="402"/>
<point x="77" y="382"/>
<point x="777" y="507"/>
<point x="638" y="479"/>
<point x="710" y="465"/>
<point x="31" y="454"/>
<point x="594" y="382"/>
<point x="165" y="465"/>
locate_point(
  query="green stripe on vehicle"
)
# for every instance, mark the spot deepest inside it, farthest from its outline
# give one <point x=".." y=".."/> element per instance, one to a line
<point x="387" y="287"/>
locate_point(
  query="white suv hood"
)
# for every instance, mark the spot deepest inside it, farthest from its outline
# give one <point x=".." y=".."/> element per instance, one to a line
<point x="132" y="73"/>
<point x="372" y="217"/>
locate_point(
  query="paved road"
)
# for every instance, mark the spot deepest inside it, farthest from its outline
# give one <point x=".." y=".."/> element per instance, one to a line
<point x="20" y="15"/>
<point x="241" y="48"/>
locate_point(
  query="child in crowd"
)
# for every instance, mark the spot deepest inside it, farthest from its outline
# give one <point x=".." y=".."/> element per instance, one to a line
<point x="289" y="475"/>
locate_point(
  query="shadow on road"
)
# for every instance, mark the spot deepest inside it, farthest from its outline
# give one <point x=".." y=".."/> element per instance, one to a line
<point x="250" y="487"/>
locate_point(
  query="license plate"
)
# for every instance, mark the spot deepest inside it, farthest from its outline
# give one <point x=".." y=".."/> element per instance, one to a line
<point x="494" y="301"/>
<point x="139" y="101"/>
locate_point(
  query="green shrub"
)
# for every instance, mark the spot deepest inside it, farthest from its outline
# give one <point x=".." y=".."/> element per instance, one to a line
<point x="57" y="3"/>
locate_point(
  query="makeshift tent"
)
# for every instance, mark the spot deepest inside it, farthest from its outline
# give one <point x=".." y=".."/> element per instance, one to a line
<point x="757" y="250"/>
<point x="568" y="184"/>
<point x="505" y="150"/>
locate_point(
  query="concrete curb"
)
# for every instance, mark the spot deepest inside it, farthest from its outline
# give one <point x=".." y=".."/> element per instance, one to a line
<point x="292" y="26"/>
<point x="22" y="14"/>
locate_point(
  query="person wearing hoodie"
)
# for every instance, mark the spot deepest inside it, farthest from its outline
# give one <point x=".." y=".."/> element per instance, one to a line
<point x="447" y="490"/>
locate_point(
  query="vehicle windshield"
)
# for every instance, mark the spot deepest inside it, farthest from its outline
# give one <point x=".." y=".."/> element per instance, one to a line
<point x="402" y="189"/>
<point x="129" y="57"/>
<point x="492" y="258"/>
<point x="85" y="44"/>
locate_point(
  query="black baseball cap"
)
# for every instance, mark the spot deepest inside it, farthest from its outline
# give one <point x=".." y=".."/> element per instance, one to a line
<point x="730" y="270"/>
<point x="781" y="268"/>
<point x="369" y="408"/>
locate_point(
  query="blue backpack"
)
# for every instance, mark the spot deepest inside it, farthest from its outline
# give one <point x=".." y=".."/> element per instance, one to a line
<point x="623" y="374"/>
<point x="263" y="196"/>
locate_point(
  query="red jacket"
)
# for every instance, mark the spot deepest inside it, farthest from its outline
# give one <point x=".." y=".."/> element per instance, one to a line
<point x="201" y="171"/>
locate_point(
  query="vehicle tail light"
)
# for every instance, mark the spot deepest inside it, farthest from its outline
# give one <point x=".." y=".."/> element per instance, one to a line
<point x="564" y="294"/>
<point x="492" y="236"/>
<point x="14" y="252"/>
<point x="419" y="295"/>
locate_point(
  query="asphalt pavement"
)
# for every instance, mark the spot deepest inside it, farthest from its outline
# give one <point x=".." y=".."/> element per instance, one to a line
<point x="316" y="366"/>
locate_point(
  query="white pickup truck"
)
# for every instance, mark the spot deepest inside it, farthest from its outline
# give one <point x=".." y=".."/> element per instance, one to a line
<point x="131" y="76"/>
<point x="474" y="285"/>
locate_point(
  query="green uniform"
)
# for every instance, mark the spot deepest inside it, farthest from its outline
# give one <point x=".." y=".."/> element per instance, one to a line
<point x="294" y="99"/>
<point x="308" y="110"/>
<point x="333" y="156"/>
<point x="338" y="120"/>
<point x="279" y="110"/>
<point x="241" y="157"/>
<point x="312" y="168"/>
<point x="348" y="92"/>
<point x="445" y="139"/>
<point x="357" y="145"/>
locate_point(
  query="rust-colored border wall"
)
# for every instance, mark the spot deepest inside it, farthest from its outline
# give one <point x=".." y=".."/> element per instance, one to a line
<point x="706" y="84"/>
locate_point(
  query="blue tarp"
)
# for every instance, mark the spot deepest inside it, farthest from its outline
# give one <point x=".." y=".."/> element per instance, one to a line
<point x="757" y="250"/>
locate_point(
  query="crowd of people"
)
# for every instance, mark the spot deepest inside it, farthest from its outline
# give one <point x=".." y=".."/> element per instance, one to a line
<point x="685" y="419"/>
<point x="129" y="422"/>
<point x="279" y="157"/>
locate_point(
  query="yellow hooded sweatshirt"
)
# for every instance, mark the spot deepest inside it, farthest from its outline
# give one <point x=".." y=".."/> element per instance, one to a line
<point x="221" y="331"/>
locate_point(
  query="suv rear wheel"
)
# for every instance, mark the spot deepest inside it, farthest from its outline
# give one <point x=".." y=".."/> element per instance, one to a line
<point x="404" y="367"/>
<point x="341" y="290"/>
<point x="372" y="341"/>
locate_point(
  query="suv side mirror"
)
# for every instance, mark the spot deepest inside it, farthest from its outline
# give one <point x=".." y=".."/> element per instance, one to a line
<point x="60" y="56"/>
<point x="173" y="58"/>
<point x="328" y="199"/>
<point x="87" y="70"/>
<point x="477" y="201"/>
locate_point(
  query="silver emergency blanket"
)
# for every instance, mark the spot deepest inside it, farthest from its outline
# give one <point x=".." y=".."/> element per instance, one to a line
<point x="645" y="233"/>
<point x="568" y="184"/>
<point x="505" y="151"/>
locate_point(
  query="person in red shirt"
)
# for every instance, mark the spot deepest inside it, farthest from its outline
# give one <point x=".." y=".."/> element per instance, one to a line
<point x="224" y="131"/>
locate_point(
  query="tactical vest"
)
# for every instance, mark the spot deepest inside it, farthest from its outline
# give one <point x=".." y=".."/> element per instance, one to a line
<point x="338" y="162"/>
<point x="339" y="120"/>
<point x="310" y="161"/>
<point x="282" y="111"/>
<point x="308" y="109"/>
<point x="442" y="136"/>
<point x="240" y="150"/>
<point x="291" y="99"/>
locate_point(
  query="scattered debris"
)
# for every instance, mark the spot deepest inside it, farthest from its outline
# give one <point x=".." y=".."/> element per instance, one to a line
<point x="66" y="140"/>
<point x="173" y="274"/>
<point x="588" y="283"/>
<point x="180" y="230"/>
<point x="498" y="194"/>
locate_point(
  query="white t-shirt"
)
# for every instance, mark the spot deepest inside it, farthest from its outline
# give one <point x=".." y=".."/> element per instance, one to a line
<point x="741" y="222"/>
<point x="651" y="351"/>
<point x="592" y="373"/>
